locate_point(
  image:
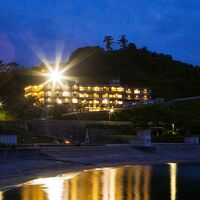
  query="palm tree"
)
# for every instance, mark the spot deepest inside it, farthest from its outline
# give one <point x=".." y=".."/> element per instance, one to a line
<point x="108" y="40"/>
<point x="123" y="42"/>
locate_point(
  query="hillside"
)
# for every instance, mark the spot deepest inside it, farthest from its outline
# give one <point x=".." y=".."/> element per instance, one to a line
<point x="9" y="67"/>
<point x="184" y="115"/>
<point x="136" y="67"/>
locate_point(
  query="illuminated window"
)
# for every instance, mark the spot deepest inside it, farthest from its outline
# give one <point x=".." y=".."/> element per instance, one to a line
<point x="65" y="94"/>
<point x="86" y="95"/>
<point x="119" y="96"/>
<point x="129" y="97"/>
<point x="145" y="90"/>
<point x="136" y="96"/>
<point x="75" y="87"/>
<point x="95" y="95"/>
<point x="105" y="101"/>
<point x="74" y="100"/>
<point x="27" y="88"/>
<point x="35" y="94"/>
<point x="128" y="91"/>
<point x="84" y="102"/>
<point x="41" y="94"/>
<point x="106" y="88"/>
<point x="110" y="95"/>
<point x="120" y="89"/>
<point x="120" y="102"/>
<point x="96" y="89"/>
<point x="96" y="102"/>
<point x="48" y="94"/>
<point x="81" y="95"/>
<point x="49" y="100"/>
<point x="136" y="91"/>
<point x="105" y="95"/>
<point x="41" y="100"/>
<point x="59" y="101"/>
<point x="90" y="102"/>
<point x="114" y="89"/>
<point x="36" y="88"/>
<point x="81" y="88"/>
<point x="66" y="100"/>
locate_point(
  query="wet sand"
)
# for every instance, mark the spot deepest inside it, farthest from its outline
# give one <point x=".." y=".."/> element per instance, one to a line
<point x="54" y="161"/>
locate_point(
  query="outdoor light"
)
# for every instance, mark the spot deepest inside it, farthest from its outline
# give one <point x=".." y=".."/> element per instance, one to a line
<point x="59" y="101"/>
<point x="55" y="76"/>
<point x="1" y="104"/>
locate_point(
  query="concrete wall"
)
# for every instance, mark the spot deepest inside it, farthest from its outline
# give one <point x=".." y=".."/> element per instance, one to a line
<point x="72" y="129"/>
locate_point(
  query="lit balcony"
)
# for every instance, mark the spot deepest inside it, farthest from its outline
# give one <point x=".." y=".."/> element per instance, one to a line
<point x="136" y="91"/>
<point x="120" y="89"/>
<point x="74" y="100"/>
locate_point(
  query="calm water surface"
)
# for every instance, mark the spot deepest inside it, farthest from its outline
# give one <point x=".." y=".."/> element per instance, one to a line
<point x="137" y="182"/>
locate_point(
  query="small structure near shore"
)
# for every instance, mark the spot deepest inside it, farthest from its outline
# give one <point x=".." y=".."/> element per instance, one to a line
<point x="8" y="137"/>
<point x="143" y="139"/>
<point x="191" y="140"/>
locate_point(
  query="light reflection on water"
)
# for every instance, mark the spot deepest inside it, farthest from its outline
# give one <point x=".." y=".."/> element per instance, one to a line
<point x="1" y="195"/>
<point x="138" y="182"/>
<point x="173" y="184"/>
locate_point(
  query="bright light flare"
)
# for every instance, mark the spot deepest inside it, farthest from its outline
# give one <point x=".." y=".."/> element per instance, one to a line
<point x="55" y="76"/>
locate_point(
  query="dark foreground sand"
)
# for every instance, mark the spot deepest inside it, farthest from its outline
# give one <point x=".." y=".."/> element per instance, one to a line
<point x="58" y="160"/>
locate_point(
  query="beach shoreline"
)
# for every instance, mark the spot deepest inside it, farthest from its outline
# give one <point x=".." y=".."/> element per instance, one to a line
<point x="56" y="161"/>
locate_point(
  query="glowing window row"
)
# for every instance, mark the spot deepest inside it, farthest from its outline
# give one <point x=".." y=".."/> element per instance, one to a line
<point x="74" y="100"/>
<point x="95" y="95"/>
<point x="105" y="101"/>
<point x="136" y="91"/>
<point x="89" y="88"/>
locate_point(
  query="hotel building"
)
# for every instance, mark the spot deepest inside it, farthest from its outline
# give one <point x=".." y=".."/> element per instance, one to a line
<point x="89" y="97"/>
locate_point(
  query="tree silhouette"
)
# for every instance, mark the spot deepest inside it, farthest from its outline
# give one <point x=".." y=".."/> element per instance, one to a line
<point x="123" y="42"/>
<point x="132" y="45"/>
<point x="108" y="40"/>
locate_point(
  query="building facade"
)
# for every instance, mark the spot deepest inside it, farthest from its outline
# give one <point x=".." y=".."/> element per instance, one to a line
<point x="89" y="97"/>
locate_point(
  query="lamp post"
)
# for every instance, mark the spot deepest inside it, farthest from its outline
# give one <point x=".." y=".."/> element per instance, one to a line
<point x="110" y="113"/>
<point x="173" y="127"/>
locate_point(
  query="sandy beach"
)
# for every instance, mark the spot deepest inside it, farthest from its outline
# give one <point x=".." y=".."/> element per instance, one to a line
<point x="53" y="161"/>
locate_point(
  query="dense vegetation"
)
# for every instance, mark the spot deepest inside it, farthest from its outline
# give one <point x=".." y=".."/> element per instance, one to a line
<point x="137" y="67"/>
<point x="184" y="115"/>
<point x="12" y="95"/>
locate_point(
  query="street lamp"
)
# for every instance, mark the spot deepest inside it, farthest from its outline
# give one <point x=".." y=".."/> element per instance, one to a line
<point x="110" y="112"/>
<point x="1" y="104"/>
<point x="55" y="76"/>
<point x="173" y="128"/>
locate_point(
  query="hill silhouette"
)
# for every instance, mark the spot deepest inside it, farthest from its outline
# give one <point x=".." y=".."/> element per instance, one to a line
<point x="136" y="67"/>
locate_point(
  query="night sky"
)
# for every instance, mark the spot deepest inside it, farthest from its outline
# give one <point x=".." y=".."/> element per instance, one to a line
<point x="171" y="27"/>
